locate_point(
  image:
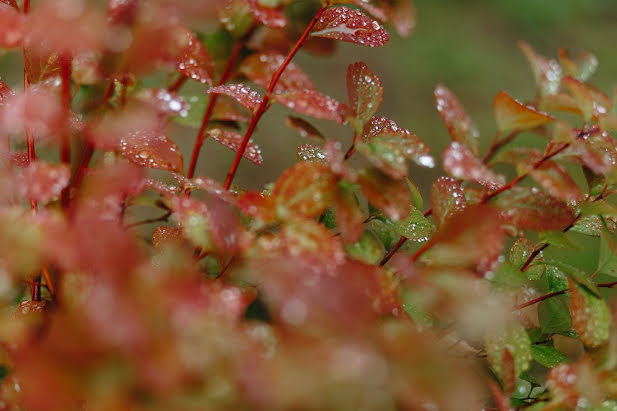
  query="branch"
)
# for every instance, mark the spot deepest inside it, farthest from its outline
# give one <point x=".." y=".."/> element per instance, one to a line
<point x="263" y="107"/>
<point x="560" y="292"/>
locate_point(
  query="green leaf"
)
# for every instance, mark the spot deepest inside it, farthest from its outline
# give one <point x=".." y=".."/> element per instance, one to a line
<point x="556" y="279"/>
<point x="415" y="227"/>
<point x="515" y="340"/>
<point x="367" y="249"/>
<point x="558" y="239"/>
<point x="591" y="318"/>
<point x="607" y="262"/>
<point x="598" y="207"/>
<point x="519" y="254"/>
<point x="385" y="232"/>
<point x="508" y="277"/>
<point x="576" y="274"/>
<point x="547" y="355"/>
<point x="554" y="316"/>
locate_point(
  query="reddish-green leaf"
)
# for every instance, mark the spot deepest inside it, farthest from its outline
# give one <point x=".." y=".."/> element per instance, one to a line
<point x="364" y="90"/>
<point x="556" y="180"/>
<point x="447" y="199"/>
<point x="583" y="98"/>
<point x="530" y="208"/>
<point x="195" y="62"/>
<point x="546" y="71"/>
<point x="261" y="67"/>
<point x="591" y="317"/>
<point x="42" y="181"/>
<point x="598" y="152"/>
<point x="11" y="3"/>
<point x="304" y="128"/>
<point x="581" y="69"/>
<point x="164" y="101"/>
<point x="302" y="237"/>
<point x="304" y="190"/>
<point x="5" y="92"/>
<point x="13" y="25"/>
<point x="163" y="237"/>
<point x="515" y="340"/>
<point x="459" y="162"/>
<point x="272" y="18"/>
<point x="233" y="140"/>
<point x="349" y="215"/>
<point x="459" y="124"/>
<point x="345" y="24"/>
<point x="414" y="227"/>
<point x="312" y="103"/>
<point x="401" y="14"/>
<point x="521" y="250"/>
<point x="391" y="197"/>
<point x="153" y="150"/>
<point x="511" y="114"/>
<point x="310" y="152"/>
<point x="367" y="249"/>
<point x="241" y="93"/>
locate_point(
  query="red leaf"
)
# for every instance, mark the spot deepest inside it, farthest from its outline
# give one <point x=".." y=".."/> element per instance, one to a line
<point x="13" y="25"/>
<point x="233" y="140"/>
<point x="310" y="152"/>
<point x="391" y="197"/>
<point x="212" y="187"/>
<point x="459" y="124"/>
<point x="195" y="62"/>
<point x="122" y="11"/>
<point x="305" y="237"/>
<point x="164" y="101"/>
<point x="304" y="128"/>
<point x="345" y="24"/>
<point x="153" y="150"/>
<point x="336" y="159"/>
<point x="306" y="189"/>
<point x="11" y="3"/>
<point x="41" y="181"/>
<point x="447" y="199"/>
<point x="255" y="204"/>
<point x="312" y="103"/>
<point x="260" y="68"/>
<point x="365" y="91"/>
<point x="530" y="208"/>
<point x="241" y="93"/>
<point x="459" y="162"/>
<point x="402" y="15"/>
<point x="349" y="215"/>
<point x="377" y="12"/>
<point x="5" y="92"/>
<point x="546" y="71"/>
<point x="591" y="102"/>
<point x="272" y="18"/>
<point x="598" y="152"/>
<point x="19" y="158"/>
<point x="166" y="236"/>
<point x="511" y="114"/>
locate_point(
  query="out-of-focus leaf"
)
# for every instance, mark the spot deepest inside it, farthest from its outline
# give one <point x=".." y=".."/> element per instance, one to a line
<point x="310" y="152"/>
<point x="513" y="339"/>
<point x="233" y="140"/>
<point x="195" y="62"/>
<point x="459" y="124"/>
<point x="391" y="197"/>
<point x="401" y="14"/>
<point x="558" y="239"/>
<point x="306" y="189"/>
<point x="261" y="67"/>
<point x="349" y="215"/>
<point x="581" y="69"/>
<point x="370" y="8"/>
<point x="304" y="128"/>
<point x="555" y="179"/>
<point x="166" y="236"/>
<point x="459" y="162"/>
<point x="607" y="261"/>
<point x="511" y="114"/>
<point x="559" y="102"/>
<point x="13" y="24"/>
<point x="5" y="92"/>
<point x="365" y="92"/>
<point x="42" y="181"/>
<point x="414" y="227"/>
<point x="308" y="237"/>
<point x="547" y="72"/>
<point x="447" y="199"/>
<point x="591" y="318"/>
<point x="164" y="101"/>
<point x="554" y="316"/>
<point x="345" y="24"/>
<point x="367" y="249"/>
<point x="583" y="97"/>
<point x="11" y="3"/>
<point x="598" y="152"/>
<point x="248" y="98"/>
<point x="530" y="208"/>
<point x="152" y="150"/>
<point x="519" y="253"/>
<point x="547" y="356"/>
<point x="312" y="103"/>
<point x="271" y="17"/>
<point x="236" y="17"/>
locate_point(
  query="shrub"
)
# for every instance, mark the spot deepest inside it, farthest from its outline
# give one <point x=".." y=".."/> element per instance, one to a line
<point x="334" y="287"/>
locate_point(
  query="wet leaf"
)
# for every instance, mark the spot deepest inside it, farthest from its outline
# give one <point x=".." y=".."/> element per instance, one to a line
<point x="42" y="181"/>
<point x="310" y="152"/>
<point x="591" y="317"/>
<point x="598" y="152"/>
<point x="11" y="3"/>
<point x="166" y="236"/>
<point x="447" y="199"/>
<point x="304" y="190"/>
<point x="195" y="62"/>
<point x="554" y="315"/>
<point x="513" y="339"/>
<point x="555" y="179"/>
<point x="248" y="98"/>
<point x="236" y="17"/>
<point x="389" y="196"/>
<point x="261" y="67"/>
<point x="164" y="101"/>
<point x="575" y="274"/>
<point x="581" y="69"/>
<point x="5" y="92"/>
<point x="365" y="92"/>
<point x="312" y="103"/>
<point x="530" y="208"/>
<point x="521" y="250"/>
<point x="414" y="227"/>
<point x="459" y="124"/>
<point x="345" y="24"/>
<point x="511" y="114"/>
<point x="547" y="72"/>
<point x="152" y="150"/>
<point x="583" y="97"/>
<point x="233" y="140"/>
<point x="304" y="128"/>
<point x="271" y="17"/>
<point x="459" y="162"/>
<point x="547" y="356"/>
<point x="349" y="215"/>
<point x="308" y="237"/>
<point x="367" y="249"/>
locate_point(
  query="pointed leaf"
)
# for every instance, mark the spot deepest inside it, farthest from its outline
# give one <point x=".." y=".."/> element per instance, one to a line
<point x="153" y="150"/>
<point x="511" y="114"/>
<point x="591" y="318"/>
<point x="575" y="274"/>
<point x="558" y="239"/>
<point x="389" y="196"/>
<point x="261" y="67"/>
<point x="272" y="18"/>
<point x="304" y="128"/>
<point x="345" y="24"/>
<point x="521" y="250"/>
<point x="233" y="140"/>
<point x="459" y="124"/>
<point x="42" y="181"/>
<point x="248" y="98"/>
<point x="195" y="62"/>
<point x="414" y="227"/>
<point x="583" y="98"/>
<point x="530" y="208"/>
<point x="547" y="356"/>
<point x="598" y="152"/>
<point x="547" y="72"/>
<point x="554" y="315"/>
<point x="365" y="91"/>
<point x="306" y="189"/>
<point x="556" y="180"/>
<point x="581" y="69"/>
<point x="313" y="104"/>
<point x="515" y="340"/>
<point x="459" y="162"/>
<point x="367" y="249"/>
<point x="447" y="199"/>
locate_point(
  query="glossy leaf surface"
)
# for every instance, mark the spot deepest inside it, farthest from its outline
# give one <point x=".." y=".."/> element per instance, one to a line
<point x="459" y="162"/>
<point x="345" y="24"/>
<point x="510" y="114"/>
<point x="233" y="140"/>
<point x="459" y="124"/>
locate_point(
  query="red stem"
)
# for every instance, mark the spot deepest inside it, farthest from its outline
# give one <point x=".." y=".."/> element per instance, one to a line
<point x="263" y="107"/>
<point x="65" y="148"/>
<point x="210" y="108"/>
<point x="560" y="292"/>
<point x="175" y="86"/>
<point x="400" y="242"/>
